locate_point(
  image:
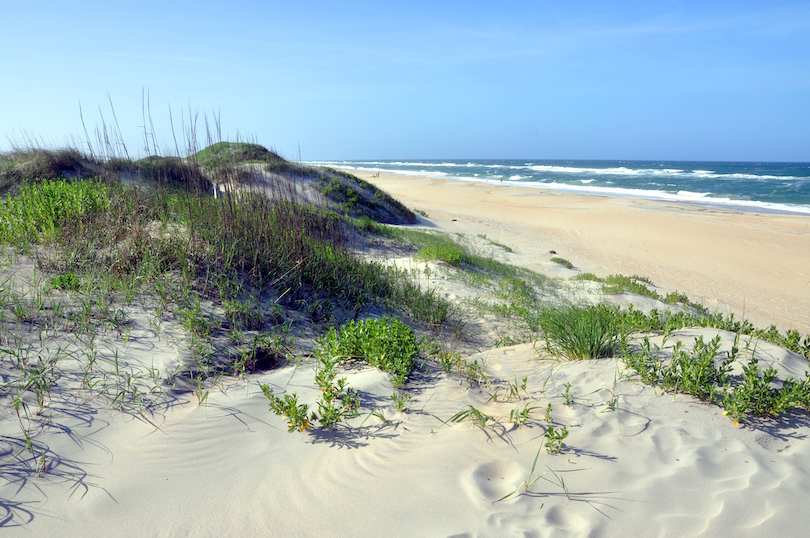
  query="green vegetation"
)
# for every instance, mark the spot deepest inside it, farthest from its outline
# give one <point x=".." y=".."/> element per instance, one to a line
<point x="698" y="373"/>
<point x="473" y="415"/>
<point x="229" y="153"/>
<point x="562" y="261"/>
<point x="38" y="215"/>
<point x="616" y="284"/>
<point x="68" y="281"/>
<point x="517" y="292"/>
<point x="239" y="274"/>
<point x="387" y="344"/>
<point x="636" y="321"/>
<point x="243" y="273"/>
<point x="581" y="332"/>
<point x="554" y="439"/>
<point x="360" y="198"/>
<point x="446" y="253"/>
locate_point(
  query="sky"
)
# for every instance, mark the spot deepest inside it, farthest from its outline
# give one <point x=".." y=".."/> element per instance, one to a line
<point x="316" y="80"/>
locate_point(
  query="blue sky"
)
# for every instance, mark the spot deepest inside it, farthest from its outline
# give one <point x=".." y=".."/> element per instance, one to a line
<point x="357" y="80"/>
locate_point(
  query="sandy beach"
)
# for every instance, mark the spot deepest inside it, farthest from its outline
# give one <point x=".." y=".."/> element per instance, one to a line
<point x="753" y="265"/>
<point x="636" y="462"/>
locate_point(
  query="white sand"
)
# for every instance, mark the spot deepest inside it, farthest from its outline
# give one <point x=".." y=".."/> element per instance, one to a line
<point x="656" y="465"/>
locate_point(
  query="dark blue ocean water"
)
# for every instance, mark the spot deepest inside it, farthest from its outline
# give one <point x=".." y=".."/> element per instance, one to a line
<point x="751" y="186"/>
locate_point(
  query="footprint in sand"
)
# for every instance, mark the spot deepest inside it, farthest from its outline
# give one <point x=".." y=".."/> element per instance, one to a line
<point x="489" y="482"/>
<point x="563" y="519"/>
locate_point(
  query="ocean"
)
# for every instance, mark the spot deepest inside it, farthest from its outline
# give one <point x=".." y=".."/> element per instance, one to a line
<point x="760" y="187"/>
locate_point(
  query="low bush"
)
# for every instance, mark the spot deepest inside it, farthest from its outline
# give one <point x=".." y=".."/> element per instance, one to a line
<point x="39" y="212"/>
<point x="387" y="344"/>
<point x="704" y="373"/>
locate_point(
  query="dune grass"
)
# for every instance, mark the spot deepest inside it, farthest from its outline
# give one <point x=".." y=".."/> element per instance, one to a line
<point x="639" y="285"/>
<point x="580" y="332"/>
<point x="151" y="233"/>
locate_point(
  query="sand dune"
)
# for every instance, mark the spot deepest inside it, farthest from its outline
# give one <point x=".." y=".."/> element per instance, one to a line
<point x="636" y="461"/>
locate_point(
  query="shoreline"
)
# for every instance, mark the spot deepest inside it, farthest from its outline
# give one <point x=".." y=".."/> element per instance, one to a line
<point x="751" y="264"/>
<point x="743" y="206"/>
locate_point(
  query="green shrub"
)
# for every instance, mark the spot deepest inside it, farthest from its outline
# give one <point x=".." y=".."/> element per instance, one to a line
<point x="387" y="344"/>
<point x="38" y="213"/>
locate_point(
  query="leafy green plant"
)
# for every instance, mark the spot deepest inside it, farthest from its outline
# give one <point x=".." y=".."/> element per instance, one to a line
<point x="68" y="281"/>
<point x="338" y="403"/>
<point x="520" y="416"/>
<point x="554" y="439"/>
<point x="387" y="344"/>
<point x="41" y="211"/>
<point x="756" y="394"/>
<point x="566" y="394"/>
<point x="700" y="373"/>
<point x="513" y="389"/>
<point x="694" y="372"/>
<point x="296" y="415"/>
<point x="400" y="401"/>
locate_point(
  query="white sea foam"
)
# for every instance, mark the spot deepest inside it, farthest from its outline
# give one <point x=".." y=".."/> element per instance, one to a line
<point x="561" y="169"/>
<point x="703" y="198"/>
<point x="689" y="194"/>
<point x="574" y="170"/>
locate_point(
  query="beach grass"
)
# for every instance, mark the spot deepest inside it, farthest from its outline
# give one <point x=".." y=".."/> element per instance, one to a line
<point x="579" y="332"/>
<point x="156" y="235"/>
<point x="562" y="261"/>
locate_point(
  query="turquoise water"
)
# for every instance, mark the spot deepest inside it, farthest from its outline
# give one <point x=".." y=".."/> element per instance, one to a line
<point x="751" y="186"/>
